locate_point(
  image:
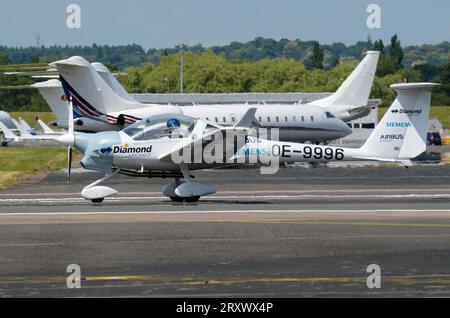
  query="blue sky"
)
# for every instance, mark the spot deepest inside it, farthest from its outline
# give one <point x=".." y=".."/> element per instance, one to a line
<point x="165" y="23"/>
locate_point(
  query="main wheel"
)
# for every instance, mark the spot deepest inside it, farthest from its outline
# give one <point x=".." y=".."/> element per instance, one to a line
<point x="100" y="200"/>
<point x="192" y="199"/>
<point x="176" y="199"/>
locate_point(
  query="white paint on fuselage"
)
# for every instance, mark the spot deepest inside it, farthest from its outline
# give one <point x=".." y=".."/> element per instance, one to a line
<point x="297" y="123"/>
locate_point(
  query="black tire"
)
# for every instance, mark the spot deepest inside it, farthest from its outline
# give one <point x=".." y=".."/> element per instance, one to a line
<point x="98" y="200"/>
<point x="177" y="199"/>
<point x="192" y="199"/>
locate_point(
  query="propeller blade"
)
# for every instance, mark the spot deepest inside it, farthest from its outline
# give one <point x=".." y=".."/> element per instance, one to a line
<point x="69" y="162"/>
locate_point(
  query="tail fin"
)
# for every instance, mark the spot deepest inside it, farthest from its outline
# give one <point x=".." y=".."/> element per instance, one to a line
<point x="23" y="131"/>
<point x="109" y="78"/>
<point x="47" y="130"/>
<point x="91" y="95"/>
<point x="7" y="132"/>
<point x="56" y="99"/>
<point x="402" y="132"/>
<point x="24" y="123"/>
<point x="355" y="90"/>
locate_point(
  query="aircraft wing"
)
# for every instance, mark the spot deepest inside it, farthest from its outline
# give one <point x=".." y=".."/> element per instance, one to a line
<point x="227" y="139"/>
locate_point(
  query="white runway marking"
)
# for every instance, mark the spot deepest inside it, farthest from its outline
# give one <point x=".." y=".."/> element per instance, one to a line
<point x="248" y="192"/>
<point x="236" y="197"/>
<point x="215" y="212"/>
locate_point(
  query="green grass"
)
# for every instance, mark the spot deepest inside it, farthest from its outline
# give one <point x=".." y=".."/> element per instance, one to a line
<point x="17" y="162"/>
<point x="442" y="113"/>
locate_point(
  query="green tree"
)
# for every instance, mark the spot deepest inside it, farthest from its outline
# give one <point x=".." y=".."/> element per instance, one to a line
<point x="4" y="58"/>
<point x="317" y="56"/>
<point x="396" y="53"/>
<point x="378" y="46"/>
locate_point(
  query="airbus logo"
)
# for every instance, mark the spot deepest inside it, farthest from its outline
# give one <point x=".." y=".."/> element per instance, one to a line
<point x="106" y="150"/>
<point x="391" y="137"/>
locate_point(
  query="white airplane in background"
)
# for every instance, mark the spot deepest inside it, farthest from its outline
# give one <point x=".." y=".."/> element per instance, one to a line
<point x="152" y="146"/>
<point x="106" y="102"/>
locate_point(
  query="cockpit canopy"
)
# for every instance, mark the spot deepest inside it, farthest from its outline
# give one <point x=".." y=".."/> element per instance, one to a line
<point x="163" y="126"/>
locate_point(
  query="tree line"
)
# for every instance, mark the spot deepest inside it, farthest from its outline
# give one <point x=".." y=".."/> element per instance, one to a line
<point x="238" y="67"/>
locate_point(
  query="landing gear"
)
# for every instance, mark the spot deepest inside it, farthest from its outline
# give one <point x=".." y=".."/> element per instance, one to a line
<point x="187" y="190"/>
<point x="97" y="193"/>
<point x="176" y="199"/>
<point x="187" y="199"/>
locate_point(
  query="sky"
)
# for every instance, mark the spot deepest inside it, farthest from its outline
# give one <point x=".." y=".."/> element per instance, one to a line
<point x="166" y="23"/>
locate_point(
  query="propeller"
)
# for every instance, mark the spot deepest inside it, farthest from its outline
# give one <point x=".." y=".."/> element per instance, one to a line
<point x="69" y="162"/>
<point x="69" y="140"/>
<point x="69" y="148"/>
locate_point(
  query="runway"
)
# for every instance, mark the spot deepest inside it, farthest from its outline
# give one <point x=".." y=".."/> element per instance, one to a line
<point x="300" y="233"/>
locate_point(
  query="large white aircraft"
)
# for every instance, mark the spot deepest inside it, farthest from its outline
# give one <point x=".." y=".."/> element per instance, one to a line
<point x="171" y="145"/>
<point x="98" y="97"/>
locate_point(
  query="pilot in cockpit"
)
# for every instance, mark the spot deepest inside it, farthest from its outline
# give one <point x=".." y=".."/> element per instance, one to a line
<point x="173" y="129"/>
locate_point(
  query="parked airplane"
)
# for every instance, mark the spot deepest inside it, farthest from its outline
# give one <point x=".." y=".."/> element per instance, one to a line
<point x="152" y="147"/>
<point x="25" y="135"/>
<point x="97" y="101"/>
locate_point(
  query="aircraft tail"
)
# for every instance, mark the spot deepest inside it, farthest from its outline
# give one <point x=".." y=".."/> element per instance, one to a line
<point x="24" y="123"/>
<point x="23" y="131"/>
<point x="7" y="132"/>
<point x="112" y="82"/>
<point x="47" y="130"/>
<point x="355" y="90"/>
<point x="402" y="132"/>
<point x="56" y="99"/>
<point x="92" y="97"/>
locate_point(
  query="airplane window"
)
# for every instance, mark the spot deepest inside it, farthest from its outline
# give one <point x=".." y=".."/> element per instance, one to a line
<point x="260" y="119"/>
<point x="294" y="118"/>
<point x="207" y="118"/>
<point x="277" y="119"/>
<point x="285" y="119"/>
<point x="233" y="119"/>
<point x="355" y="125"/>
<point x="130" y="131"/>
<point x="268" y="119"/>
<point x="224" y="120"/>
<point x="303" y="118"/>
<point x="312" y="118"/>
<point x="217" y="120"/>
<point x="368" y="126"/>
<point x="159" y="126"/>
<point x="329" y="115"/>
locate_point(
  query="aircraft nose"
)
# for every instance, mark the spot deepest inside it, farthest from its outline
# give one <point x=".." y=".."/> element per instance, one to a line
<point x="346" y="128"/>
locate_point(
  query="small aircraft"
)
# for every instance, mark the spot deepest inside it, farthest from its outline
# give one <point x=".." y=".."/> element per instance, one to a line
<point x="167" y="146"/>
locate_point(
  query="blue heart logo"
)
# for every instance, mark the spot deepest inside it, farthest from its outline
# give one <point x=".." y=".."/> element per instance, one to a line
<point x="106" y="150"/>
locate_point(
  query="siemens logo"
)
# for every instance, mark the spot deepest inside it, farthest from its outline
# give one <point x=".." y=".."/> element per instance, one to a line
<point x="392" y="137"/>
<point x="120" y="149"/>
<point x="400" y="125"/>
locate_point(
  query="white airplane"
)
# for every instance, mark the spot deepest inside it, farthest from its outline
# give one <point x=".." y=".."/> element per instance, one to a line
<point x="25" y="135"/>
<point x="100" y="100"/>
<point x="172" y="145"/>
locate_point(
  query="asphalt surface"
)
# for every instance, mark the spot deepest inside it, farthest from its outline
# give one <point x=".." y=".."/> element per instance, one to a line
<point x="300" y="233"/>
